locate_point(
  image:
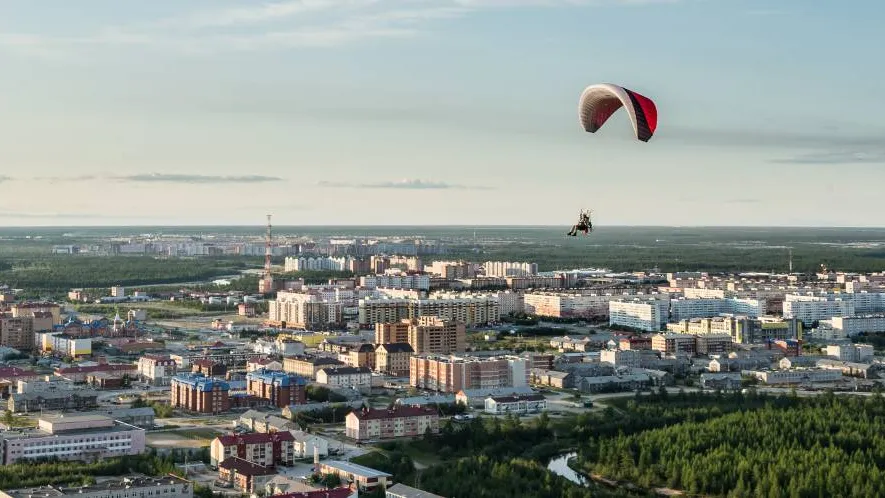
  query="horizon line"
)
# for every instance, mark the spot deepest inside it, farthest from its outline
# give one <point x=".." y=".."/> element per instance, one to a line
<point x="431" y="226"/>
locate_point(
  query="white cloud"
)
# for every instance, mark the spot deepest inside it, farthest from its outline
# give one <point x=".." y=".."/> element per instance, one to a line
<point x="279" y="24"/>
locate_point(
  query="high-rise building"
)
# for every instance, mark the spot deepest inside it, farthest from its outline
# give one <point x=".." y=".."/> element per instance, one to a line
<point x="433" y="335"/>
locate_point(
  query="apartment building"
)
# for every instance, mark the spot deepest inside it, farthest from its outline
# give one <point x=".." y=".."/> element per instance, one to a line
<point x="201" y="394"/>
<point x="280" y="388"/>
<point x="453" y="373"/>
<point x="392" y="332"/>
<point x="360" y="356"/>
<point x="308" y="366"/>
<point x="813" y="308"/>
<point x="56" y="399"/>
<point x="134" y="486"/>
<point x="509" y="269"/>
<point x="393" y="359"/>
<point x="647" y="314"/>
<point x="432" y="335"/>
<point x="713" y="343"/>
<point x="73" y="437"/>
<point x="400" y="421"/>
<point x="156" y="369"/>
<point x="742" y="329"/>
<point x="470" y="310"/>
<point x="346" y="377"/>
<point x="851" y="352"/>
<point x="304" y="310"/>
<point x="620" y="358"/>
<point x="673" y="343"/>
<point x="850" y="326"/>
<point x="403" y="281"/>
<point x="268" y="449"/>
<point x="18" y="332"/>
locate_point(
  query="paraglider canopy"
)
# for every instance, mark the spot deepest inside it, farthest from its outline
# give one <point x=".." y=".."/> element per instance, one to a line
<point x="599" y="102"/>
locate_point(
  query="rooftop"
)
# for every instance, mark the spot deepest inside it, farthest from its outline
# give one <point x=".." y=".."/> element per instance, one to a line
<point x="283" y="379"/>
<point x="402" y="491"/>
<point x="355" y="469"/>
<point x="201" y="382"/>
<point x="255" y="438"/>
<point x="245" y="467"/>
<point x="136" y="481"/>
<point x="396" y="412"/>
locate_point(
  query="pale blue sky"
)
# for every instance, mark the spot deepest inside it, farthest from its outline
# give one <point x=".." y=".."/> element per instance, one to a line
<point x="439" y="111"/>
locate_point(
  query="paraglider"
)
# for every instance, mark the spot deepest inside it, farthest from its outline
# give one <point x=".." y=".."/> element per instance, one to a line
<point x="599" y="102"/>
<point x="584" y="224"/>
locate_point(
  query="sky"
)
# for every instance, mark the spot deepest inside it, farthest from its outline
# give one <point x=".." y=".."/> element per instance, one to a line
<point x="383" y="112"/>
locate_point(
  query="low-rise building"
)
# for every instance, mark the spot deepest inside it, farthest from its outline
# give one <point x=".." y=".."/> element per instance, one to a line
<point x="280" y="388"/>
<point x="673" y="343"/>
<point x="499" y="405"/>
<point x="475" y="398"/>
<point x="268" y="449"/>
<point x="796" y="376"/>
<point x="60" y="400"/>
<point x="552" y="378"/>
<point x="393" y="358"/>
<point x="364" y="478"/>
<point x="201" y="394"/>
<point x="156" y="369"/>
<point x="395" y="422"/>
<point x="620" y="358"/>
<point x="713" y="343"/>
<point x="346" y="377"/>
<point x="243" y="475"/>
<point x="400" y="490"/>
<point x="73" y="437"/>
<point x="132" y="486"/>
<point x="308" y="366"/>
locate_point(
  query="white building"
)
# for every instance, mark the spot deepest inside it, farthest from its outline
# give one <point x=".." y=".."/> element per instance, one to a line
<point x="648" y="314"/>
<point x="852" y="325"/>
<point x="500" y="405"/>
<point x="851" y="352"/>
<point x="73" y="437"/>
<point x="797" y="376"/>
<point x="508" y="269"/>
<point x="404" y="281"/>
<point x="620" y="358"/>
<point x="346" y="377"/>
<point x="312" y="264"/>
<point x="813" y="308"/>
<point x="127" y="487"/>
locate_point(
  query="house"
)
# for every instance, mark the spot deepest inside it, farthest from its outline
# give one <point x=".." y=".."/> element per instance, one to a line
<point x="399" y="421"/>
<point x="497" y="405"/>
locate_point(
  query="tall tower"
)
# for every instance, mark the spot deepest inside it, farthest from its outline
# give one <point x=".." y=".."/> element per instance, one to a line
<point x="266" y="283"/>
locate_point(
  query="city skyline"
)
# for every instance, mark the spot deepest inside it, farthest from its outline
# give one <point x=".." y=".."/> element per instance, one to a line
<point x="461" y="112"/>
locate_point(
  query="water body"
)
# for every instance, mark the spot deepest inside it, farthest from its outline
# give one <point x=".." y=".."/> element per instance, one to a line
<point x="559" y="466"/>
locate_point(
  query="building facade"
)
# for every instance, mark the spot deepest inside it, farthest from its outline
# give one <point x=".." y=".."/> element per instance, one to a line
<point x="201" y="394"/>
<point x="280" y="388"/>
<point x="400" y="421"/>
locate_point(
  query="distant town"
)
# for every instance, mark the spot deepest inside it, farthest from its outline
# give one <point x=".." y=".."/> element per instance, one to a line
<point x="298" y="388"/>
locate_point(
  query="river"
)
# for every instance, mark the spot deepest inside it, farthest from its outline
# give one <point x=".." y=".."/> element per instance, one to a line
<point x="559" y="466"/>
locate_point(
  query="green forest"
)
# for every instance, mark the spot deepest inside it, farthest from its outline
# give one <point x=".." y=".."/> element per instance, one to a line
<point x="61" y="273"/>
<point x="823" y="446"/>
<point x="722" y="445"/>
